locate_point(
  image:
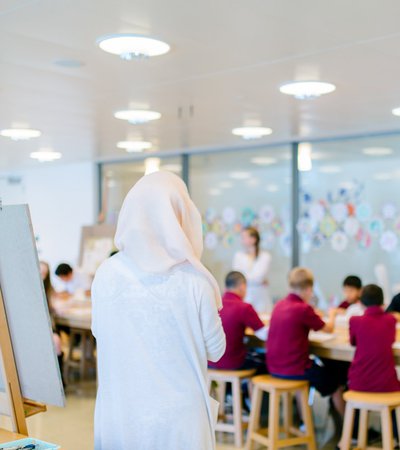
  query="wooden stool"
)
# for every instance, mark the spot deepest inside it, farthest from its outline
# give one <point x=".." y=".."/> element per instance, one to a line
<point x="234" y="377"/>
<point x="277" y="388"/>
<point x="383" y="403"/>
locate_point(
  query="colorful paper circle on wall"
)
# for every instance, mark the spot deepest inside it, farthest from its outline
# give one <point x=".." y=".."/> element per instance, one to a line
<point x="363" y="212"/>
<point x="277" y="227"/>
<point x="364" y="239"/>
<point x="228" y="239"/>
<point x="316" y="212"/>
<point x="376" y="227"/>
<point x="328" y="226"/>
<point x="266" y="214"/>
<point x="388" y="241"/>
<point x="304" y="226"/>
<point x="248" y="217"/>
<point x="211" y="241"/>
<point x="389" y="211"/>
<point x="351" y="226"/>
<point x="229" y="215"/>
<point x="318" y="240"/>
<point x="339" y="212"/>
<point x="210" y="215"/>
<point x="339" y="241"/>
<point x="218" y="227"/>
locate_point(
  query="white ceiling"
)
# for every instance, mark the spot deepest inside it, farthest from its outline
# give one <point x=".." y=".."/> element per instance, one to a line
<point x="227" y="61"/>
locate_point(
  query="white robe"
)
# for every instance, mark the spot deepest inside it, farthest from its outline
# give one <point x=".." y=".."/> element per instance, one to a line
<point x="256" y="273"/>
<point x="154" y="335"/>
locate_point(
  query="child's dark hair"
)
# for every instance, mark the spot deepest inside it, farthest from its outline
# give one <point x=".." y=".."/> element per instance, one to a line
<point x="372" y="295"/>
<point x="63" y="269"/>
<point x="353" y="281"/>
<point x="234" y="279"/>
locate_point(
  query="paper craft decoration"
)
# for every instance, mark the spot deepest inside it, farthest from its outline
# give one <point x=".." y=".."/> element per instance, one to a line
<point x="266" y="214"/>
<point x="339" y="212"/>
<point x="211" y="241"/>
<point x="363" y="212"/>
<point x="388" y="241"/>
<point x="229" y="215"/>
<point x="389" y="211"/>
<point x="351" y="226"/>
<point x="339" y="241"/>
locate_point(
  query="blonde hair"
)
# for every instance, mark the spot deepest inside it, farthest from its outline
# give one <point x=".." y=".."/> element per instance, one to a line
<point x="301" y="278"/>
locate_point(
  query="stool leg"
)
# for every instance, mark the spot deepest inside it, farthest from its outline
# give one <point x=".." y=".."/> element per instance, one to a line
<point x="387" y="430"/>
<point x="237" y="412"/>
<point x="221" y="392"/>
<point x="287" y="412"/>
<point x="273" y="419"/>
<point x="254" y="420"/>
<point x="308" y="419"/>
<point x="363" y="429"/>
<point x="345" y="440"/>
<point x="397" y="411"/>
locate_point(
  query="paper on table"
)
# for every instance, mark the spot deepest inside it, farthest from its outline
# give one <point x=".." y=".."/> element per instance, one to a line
<point x="320" y="336"/>
<point x="396" y="345"/>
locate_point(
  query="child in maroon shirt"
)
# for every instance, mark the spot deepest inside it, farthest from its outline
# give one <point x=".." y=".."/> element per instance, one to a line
<point x="373" y="335"/>
<point x="288" y="347"/>
<point x="236" y="316"/>
<point x="352" y="286"/>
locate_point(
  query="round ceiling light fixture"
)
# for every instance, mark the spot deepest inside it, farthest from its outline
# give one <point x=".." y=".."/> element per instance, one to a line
<point x="263" y="160"/>
<point x="20" y="134"/>
<point x="46" y="155"/>
<point x="307" y="89"/>
<point x="134" y="146"/>
<point x="132" y="46"/>
<point x="252" y="132"/>
<point x="137" y="116"/>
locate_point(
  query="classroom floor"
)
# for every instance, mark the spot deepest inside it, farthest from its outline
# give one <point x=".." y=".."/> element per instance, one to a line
<point x="72" y="427"/>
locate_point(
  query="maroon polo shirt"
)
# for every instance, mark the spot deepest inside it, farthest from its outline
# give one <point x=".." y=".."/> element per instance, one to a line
<point x="344" y="305"/>
<point x="373" y="366"/>
<point x="236" y="316"/>
<point x="287" y="345"/>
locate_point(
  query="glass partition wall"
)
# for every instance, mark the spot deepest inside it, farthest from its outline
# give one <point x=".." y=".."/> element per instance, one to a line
<point x="343" y="206"/>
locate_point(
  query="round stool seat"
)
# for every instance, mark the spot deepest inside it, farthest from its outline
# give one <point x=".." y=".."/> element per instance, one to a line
<point x="269" y="382"/>
<point x="373" y="398"/>
<point x="221" y="374"/>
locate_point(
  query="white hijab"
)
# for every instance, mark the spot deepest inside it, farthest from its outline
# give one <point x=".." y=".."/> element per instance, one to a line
<point x="159" y="227"/>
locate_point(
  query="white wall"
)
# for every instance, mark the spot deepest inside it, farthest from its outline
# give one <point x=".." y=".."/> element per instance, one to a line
<point x="61" y="198"/>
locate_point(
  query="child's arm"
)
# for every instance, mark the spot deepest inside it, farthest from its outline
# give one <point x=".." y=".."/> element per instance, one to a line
<point x="330" y="323"/>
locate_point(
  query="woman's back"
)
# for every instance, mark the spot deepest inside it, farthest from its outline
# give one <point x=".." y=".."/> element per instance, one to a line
<point x="154" y="335"/>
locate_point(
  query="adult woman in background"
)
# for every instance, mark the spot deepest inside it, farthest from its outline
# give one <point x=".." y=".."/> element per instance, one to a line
<point x="254" y="264"/>
<point x="156" y="322"/>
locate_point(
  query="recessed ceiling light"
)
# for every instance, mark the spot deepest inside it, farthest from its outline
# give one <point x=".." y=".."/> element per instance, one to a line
<point x="251" y="132"/>
<point x="46" y="155"/>
<point x="134" y="146"/>
<point x="172" y="167"/>
<point x="330" y="169"/>
<point x="240" y="175"/>
<point x="307" y="89"/>
<point x="137" y="116"/>
<point x="304" y="162"/>
<point x="132" y="46"/>
<point x="396" y="111"/>
<point x="68" y="63"/>
<point x="263" y="160"/>
<point x="377" y="151"/>
<point x="20" y="134"/>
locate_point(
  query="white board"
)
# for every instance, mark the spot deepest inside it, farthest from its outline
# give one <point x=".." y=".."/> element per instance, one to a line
<point x="26" y="308"/>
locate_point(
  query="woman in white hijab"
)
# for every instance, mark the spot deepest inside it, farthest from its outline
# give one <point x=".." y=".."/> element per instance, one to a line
<point x="155" y="318"/>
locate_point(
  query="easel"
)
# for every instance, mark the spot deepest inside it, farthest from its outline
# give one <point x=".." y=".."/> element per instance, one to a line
<point x="18" y="407"/>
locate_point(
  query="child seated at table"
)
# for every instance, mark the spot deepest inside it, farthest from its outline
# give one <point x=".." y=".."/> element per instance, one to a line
<point x="373" y="334"/>
<point x="236" y="316"/>
<point x="288" y="347"/>
<point x="351" y="305"/>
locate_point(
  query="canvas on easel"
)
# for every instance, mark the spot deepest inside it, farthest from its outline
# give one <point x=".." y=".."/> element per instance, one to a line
<point x="29" y="374"/>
